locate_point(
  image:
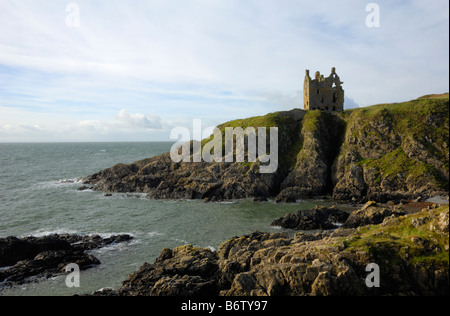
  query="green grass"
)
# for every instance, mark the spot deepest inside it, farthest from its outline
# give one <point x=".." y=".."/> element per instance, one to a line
<point x="288" y="135"/>
<point x="269" y="120"/>
<point x="395" y="241"/>
<point x="311" y="119"/>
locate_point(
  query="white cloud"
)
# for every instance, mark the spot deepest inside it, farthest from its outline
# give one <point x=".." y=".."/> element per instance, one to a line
<point x="217" y="60"/>
<point x="124" y="122"/>
<point x="139" y="126"/>
<point x="139" y="120"/>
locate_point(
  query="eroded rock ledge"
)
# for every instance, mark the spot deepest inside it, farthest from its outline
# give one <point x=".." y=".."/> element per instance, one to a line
<point x="411" y="251"/>
<point x="36" y="257"/>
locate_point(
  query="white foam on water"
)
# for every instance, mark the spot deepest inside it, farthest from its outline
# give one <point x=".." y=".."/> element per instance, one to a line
<point x="57" y="183"/>
<point x="154" y="234"/>
<point x="227" y="202"/>
<point x="73" y="180"/>
<point x="61" y="231"/>
<point x="45" y="232"/>
<point x="212" y="248"/>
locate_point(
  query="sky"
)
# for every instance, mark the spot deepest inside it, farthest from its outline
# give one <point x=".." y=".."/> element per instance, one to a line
<point x="116" y="70"/>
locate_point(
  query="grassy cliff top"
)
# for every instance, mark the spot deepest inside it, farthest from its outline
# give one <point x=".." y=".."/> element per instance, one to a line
<point x="425" y="105"/>
<point x="432" y="104"/>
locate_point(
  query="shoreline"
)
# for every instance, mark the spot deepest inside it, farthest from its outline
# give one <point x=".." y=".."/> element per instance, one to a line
<point x="327" y="262"/>
<point x="319" y="236"/>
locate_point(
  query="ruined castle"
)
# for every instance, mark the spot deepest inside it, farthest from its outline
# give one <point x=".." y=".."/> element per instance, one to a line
<point x="323" y="93"/>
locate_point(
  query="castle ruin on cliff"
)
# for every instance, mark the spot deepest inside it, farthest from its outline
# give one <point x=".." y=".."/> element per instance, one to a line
<point x="323" y="93"/>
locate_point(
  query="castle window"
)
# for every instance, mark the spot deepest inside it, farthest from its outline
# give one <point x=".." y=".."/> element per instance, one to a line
<point x="334" y="98"/>
<point x="317" y="91"/>
<point x="326" y="108"/>
<point x="323" y="100"/>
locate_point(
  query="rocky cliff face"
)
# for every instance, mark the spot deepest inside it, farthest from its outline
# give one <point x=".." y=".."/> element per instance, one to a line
<point x="394" y="151"/>
<point x="383" y="152"/>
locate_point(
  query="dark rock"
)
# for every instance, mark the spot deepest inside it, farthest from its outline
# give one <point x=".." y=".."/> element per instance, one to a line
<point x="317" y="218"/>
<point x="183" y="271"/>
<point x="13" y="249"/>
<point x="46" y="264"/>
<point x="370" y="214"/>
<point x="84" y="188"/>
<point x="260" y="199"/>
<point x="48" y="255"/>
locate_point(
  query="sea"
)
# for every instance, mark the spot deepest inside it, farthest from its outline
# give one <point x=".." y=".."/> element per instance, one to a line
<point x="39" y="196"/>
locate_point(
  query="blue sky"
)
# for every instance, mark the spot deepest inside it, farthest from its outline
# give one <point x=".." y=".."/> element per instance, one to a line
<point x="132" y="70"/>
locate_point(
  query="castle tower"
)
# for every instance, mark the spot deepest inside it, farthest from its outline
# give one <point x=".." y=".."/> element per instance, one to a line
<point x="323" y="93"/>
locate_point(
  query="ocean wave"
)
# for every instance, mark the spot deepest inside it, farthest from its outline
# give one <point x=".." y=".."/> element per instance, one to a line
<point x="72" y="180"/>
<point x="181" y="241"/>
<point x="85" y="190"/>
<point x="276" y="227"/>
<point x="47" y="232"/>
<point x="52" y="184"/>
<point x="138" y="195"/>
<point x="154" y="234"/>
<point x="62" y="231"/>
<point x="227" y="202"/>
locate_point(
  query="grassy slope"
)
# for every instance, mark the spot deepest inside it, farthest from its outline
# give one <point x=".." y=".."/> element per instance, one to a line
<point x="288" y="132"/>
<point x="409" y="120"/>
<point x="417" y="244"/>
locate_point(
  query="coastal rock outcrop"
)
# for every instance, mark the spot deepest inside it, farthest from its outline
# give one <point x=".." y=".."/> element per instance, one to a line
<point x="380" y="153"/>
<point x="316" y="218"/>
<point x="23" y="258"/>
<point x="371" y="213"/>
<point x="411" y="252"/>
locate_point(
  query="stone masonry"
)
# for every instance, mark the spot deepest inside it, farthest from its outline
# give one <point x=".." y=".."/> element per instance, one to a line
<point x="323" y="93"/>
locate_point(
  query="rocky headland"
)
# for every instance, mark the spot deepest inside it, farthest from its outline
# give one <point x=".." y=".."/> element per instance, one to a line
<point x="31" y="258"/>
<point x="385" y="152"/>
<point x="386" y="156"/>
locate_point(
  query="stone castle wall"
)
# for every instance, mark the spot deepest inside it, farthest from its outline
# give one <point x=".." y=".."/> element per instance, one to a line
<point x="323" y="93"/>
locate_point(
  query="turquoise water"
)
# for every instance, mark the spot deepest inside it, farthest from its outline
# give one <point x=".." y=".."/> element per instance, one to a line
<point x="38" y="196"/>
